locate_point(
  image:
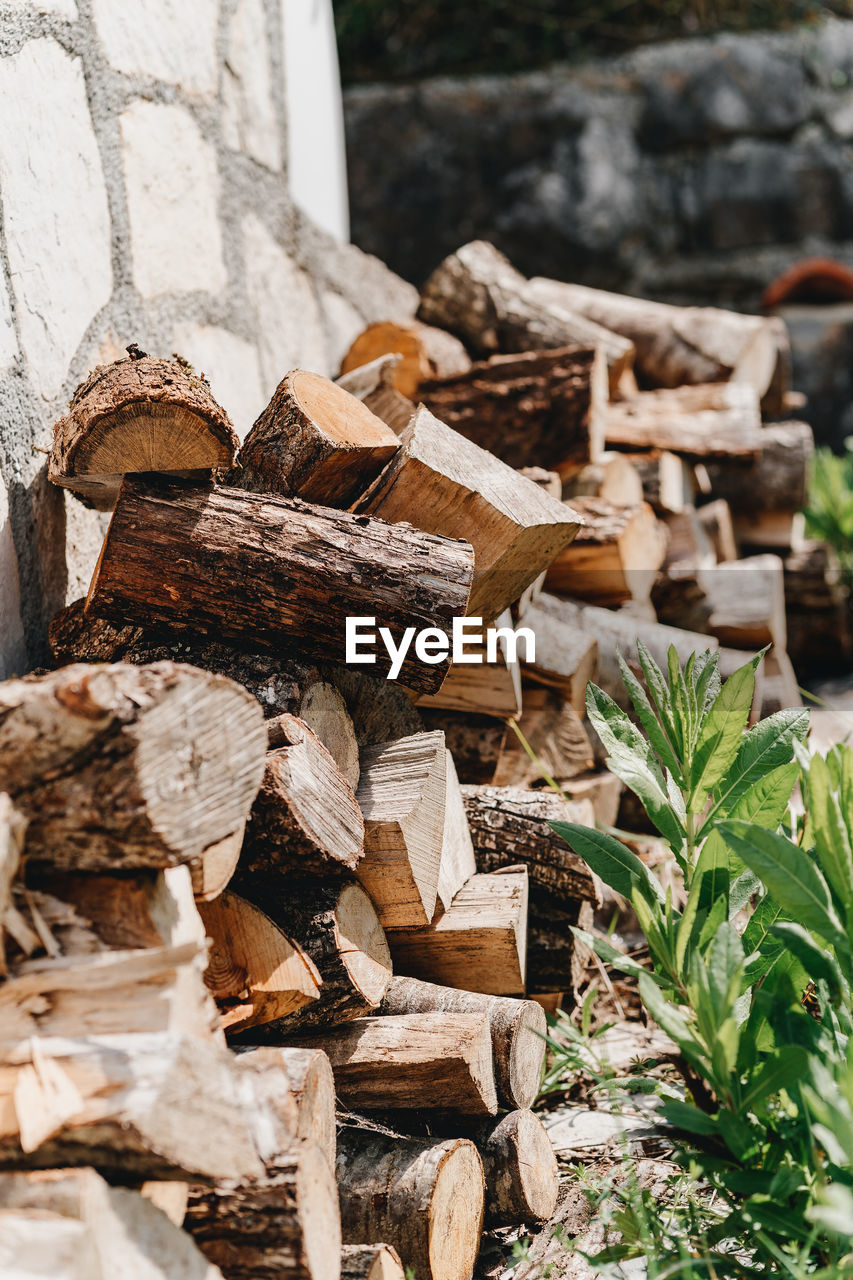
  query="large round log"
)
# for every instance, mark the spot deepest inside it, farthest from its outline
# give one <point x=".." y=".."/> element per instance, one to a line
<point x="522" y="1178"/>
<point x="424" y="1198"/>
<point x="425" y="352"/>
<point x="123" y="767"/>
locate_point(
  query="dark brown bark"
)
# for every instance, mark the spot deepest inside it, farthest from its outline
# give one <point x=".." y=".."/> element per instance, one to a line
<point x="474" y="741"/>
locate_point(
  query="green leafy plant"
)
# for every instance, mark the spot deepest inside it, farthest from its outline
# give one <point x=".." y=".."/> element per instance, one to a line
<point x="829" y="514"/>
<point x="752" y="978"/>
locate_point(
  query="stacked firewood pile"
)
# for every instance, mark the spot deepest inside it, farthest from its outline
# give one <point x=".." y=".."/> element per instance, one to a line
<point x="278" y="933"/>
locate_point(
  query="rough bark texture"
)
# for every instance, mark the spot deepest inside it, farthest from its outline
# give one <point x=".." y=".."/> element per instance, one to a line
<point x="305" y="816"/>
<point x="371" y="1262"/>
<point x="474" y="741"/>
<point x="489" y="687"/>
<point x="315" y="441"/>
<point x="457" y="863"/>
<point x="712" y="420"/>
<point x="380" y="709"/>
<point x="121" y="766"/>
<point x="566" y="659"/>
<point x="676" y="345"/>
<point x="522" y="1177"/>
<point x="478" y="294"/>
<point x="529" y="409"/>
<point x="452" y="487"/>
<point x="517" y="1030"/>
<point x="777" y="480"/>
<point x="138" y="415"/>
<point x="424" y="1198"/>
<point x="282" y="1226"/>
<point x="478" y="944"/>
<point x="615" y="556"/>
<point x="336" y="925"/>
<point x="433" y="1061"/>
<point x="613" y="477"/>
<point x="374" y="385"/>
<point x="176" y="553"/>
<point x="425" y="353"/>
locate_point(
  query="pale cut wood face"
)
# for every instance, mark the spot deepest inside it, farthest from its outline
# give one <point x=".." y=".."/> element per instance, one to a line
<point x="339" y="415"/>
<point x="454" y="1233"/>
<point x="146" y="436"/>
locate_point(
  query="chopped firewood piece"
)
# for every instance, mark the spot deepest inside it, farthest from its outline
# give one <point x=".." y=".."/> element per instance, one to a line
<point x="183" y="555"/>
<point x="478" y="944"/>
<point x="137" y="416"/>
<point x="747" y="600"/>
<point x="556" y="735"/>
<point x="615" y="556"/>
<point x="534" y="408"/>
<point x="456" y="489"/>
<point x="668" y="480"/>
<point x="477" y="293"/>
<point x="457" y="864"/>
<point x="122" y="767"/>
<point x="434" y="1061"/>
<point x="517" y="1030"/>
<point x="425" y="352"/>
<point x="520" y="1167"/>
<point x="566" y="658"/>
<point x="402" y="794"/>
<point x="712" y="420"/>
<point x="474" y="741"/>
<point x="315" y="441"/>
<point x="613" y="477"/>
<point x="486" y="687"/>
<point x="676" y="345"/>
<point x="371" y="1262"/>
<point x="335" y="924"/>
<point x="373" y="384"/>
<point x="716" y="519"/>
<point x="310" y="1090"/>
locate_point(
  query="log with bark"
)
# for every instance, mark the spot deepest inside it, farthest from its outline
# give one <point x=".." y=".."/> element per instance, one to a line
<point x="380" y="709"/>
<point x="716" y="520"/>
<point x="713" y="420"/>
<point x="457" y="864"/>
<point x="127" y="767"/>
<point x="299" y="1088"/>
<point x="453" y="488"/>
<point x="69" y="1224"/>
<point x="371" y="1262"/>
<point x="520" y="1168"/>
<point x="425" y="352"/>
<point x="816" y="610"/>
<point x="477" y="293"/>
<point x="777" y="480"/>
<point x="517" y="1029"/>
<point x="676" y="345"/>
<point x="537" y="408"/>
<point x="139" y="415"/>
<point x="566" y="658"/>
<point x="478" y="944"/>
<point x="491" y="684"/>
<point x="374" y="385"/>
<point x="555" y="733"/>
<point x="424" y="1198"/>
<point x="614" y="557"/>
<point x="183" y="555"/>
<point x="285" y="1223"/>
<point x="668" y="481"/>
<point x="315" y="441"/>
<point x="475" y="742"/>
<point x="431" y="1061"/>
<point x="305" y="817"/>
<point x="615" y="477"/>
<point x="402" y="795"/>
<point x="334" y="923"/>
<point x="747" y="600"/>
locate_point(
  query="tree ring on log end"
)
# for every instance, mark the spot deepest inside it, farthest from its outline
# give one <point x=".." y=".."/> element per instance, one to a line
<point x="527" y="1055"/>
<point x="453" y="1230"/>
<point x="361" y="944"/>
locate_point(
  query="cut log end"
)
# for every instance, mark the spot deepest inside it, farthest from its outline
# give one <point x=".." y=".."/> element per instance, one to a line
<point x="362" y="944"/>
<point x="527" y="1054"/>
<point x="454" y="1233"/>
<point x="522" y="1177"/>
<point x="371" y="1262"/>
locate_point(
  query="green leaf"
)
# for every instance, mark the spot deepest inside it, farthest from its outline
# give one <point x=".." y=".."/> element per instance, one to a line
<point x="658" y="692"/>
<point x="819" y="963"/>
<point x="645" y="714"/>
<point x="610" y="955"/>
<point x="789" y="875"/>
<point x="831" y="835"/>
<point x="616" y="865"/>
<point x="786" y="1068"/>
<point x="721" y="733"/>
<point x="725" y="966"/>
<point x="681" y="706"/>
<point x="763" y="748"/>
<point x="689" y="1119"/>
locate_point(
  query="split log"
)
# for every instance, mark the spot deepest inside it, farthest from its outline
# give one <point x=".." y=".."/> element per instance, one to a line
<point x="668" y="481"/>
<point x="816" y="610"/>
<point x="555" y="734"/>
<point x="324" y="711"/>
<point x="747" y="600"/>
<point x="137" y="1107"/>
<point x="457" y="864"/>
<point x="716" y="520"/>
<point x="256" y="973"/>
<point x="425" y="353"/>
<point x="305" y="817"/>
<point x="310" y="1093"/>
<point x="169" y="1197"/>
<point x="617" y="632"/>
<point x="477" y="293"/>
<point x="517" y="1029"/>
<point x="614" y="477"/>
<point x="713" y="420"/>
<point x="12" y="828"/>
<point x="380" y="709"/>
<point x="566" y="658"/>
<point x="402" y="795"/>
<point x="478" y="944"/>
<point x="127" y="767"/>
<point x="315" y="441"/>
<point x="335" y="924"/>
<point x="413" y="1061"/>
<point x="778" y="531"/>
<point x="688" y="544"/>
<point x="139" y="415"/>
<point x="424" y="1198"/>
<point x="284" y="1224"/>
<point x="475" y="742"/>
<point x="371" y="1262"/>
<point x="374" y="385"/>
<point x="536" y="408"/>
<point x="614" y="557"/>
<point x="520" y="1168"/>
<point x="676" y="345"/>
<point x="777" y="480"/>
<point x="454" y="488"/>
<point x="69" y="1224"/>
<point x="178" y="554"/>
<point x="485" y="687"/>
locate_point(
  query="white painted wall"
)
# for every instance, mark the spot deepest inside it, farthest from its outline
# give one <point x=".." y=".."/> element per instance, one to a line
<point x="315" y="123"/>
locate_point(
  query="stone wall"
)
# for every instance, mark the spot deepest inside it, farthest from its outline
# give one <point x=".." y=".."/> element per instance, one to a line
<point x="144" y="198"/>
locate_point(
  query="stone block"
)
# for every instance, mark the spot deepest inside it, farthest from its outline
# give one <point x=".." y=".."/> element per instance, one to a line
<point x="172" y="187"/>
<point x="343" y="325"/>
<point x="250" y="119"/>
<point x="8" y="341"/>
<point x="55" y="212"/>
<point x="170" y="40"/>
<point x="60" y="8"/>
<point x="231" y="366"/>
